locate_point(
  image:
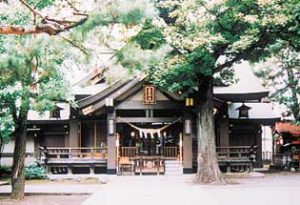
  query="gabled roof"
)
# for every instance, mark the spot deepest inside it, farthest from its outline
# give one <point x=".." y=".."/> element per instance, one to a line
<point x="117" y="92"/>
<point x="95" y="102"/>
<point x="92" y="78"/>
<point x="248" y="86"/>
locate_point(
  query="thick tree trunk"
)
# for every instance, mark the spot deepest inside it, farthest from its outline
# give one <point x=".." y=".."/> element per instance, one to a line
<point x="1" y="149"/>
<point x="18" y="169"/>
<point x="208" y="169"/>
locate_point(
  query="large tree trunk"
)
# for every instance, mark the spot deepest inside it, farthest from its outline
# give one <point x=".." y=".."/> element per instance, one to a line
<point x="208" y="169"/>
<point x="18" y="169"/>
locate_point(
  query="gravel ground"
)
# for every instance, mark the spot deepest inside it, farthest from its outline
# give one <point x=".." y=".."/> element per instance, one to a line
<point x="275" y="189"/>
<point x="46" y="200"/>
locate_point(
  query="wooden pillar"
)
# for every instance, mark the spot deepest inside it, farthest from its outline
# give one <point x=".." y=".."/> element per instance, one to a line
<point x="187" y="148"/>
<point x="74" y="133"/>
<point x="259" y="148"/>
<point x="224" y="132"/>
<point x="111" y="143"/>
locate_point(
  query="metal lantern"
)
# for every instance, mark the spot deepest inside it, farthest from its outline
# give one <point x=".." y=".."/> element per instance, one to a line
<point x="111" y="127"/>
<point x="188" y="126"/>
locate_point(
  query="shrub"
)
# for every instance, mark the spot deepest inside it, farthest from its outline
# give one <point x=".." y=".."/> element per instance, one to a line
<point x="5" y="171"/>
<point x="35" y="172"/>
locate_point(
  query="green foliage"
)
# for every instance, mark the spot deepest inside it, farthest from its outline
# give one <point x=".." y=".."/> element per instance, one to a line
<point x="281" y="75"/>
<point x="40" y="4"/>
<point x="35" y="172"/>
<point x="149" y="36"/>
<point x="6" y="127"/>
<point x="5" y="171"/>
<point x="208" y="37"/>
<point x="31" y="62"/>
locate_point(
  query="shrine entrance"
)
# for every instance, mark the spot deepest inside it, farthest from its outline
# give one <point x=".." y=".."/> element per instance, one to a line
<point x="150" y="139"/>
<point x="144" y="148"/>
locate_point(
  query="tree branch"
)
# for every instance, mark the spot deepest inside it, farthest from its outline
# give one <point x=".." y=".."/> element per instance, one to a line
<point x="74" y="44"/>
<point x="31" y="9"/>
<point x="23" y="30"/>
<point x="49" y="26"/>
<point x="228" y="63"/>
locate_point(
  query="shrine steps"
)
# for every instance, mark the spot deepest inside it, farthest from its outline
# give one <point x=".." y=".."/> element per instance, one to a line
<point x="173" y="167"/>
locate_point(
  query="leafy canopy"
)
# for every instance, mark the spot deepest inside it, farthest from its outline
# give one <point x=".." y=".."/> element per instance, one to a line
<point x="208" y="37"/>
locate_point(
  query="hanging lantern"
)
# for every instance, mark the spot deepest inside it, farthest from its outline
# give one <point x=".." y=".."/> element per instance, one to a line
<point x="132" y="134"/>
<point x="243" y="111"/>
<point x="188" y="127"/>
<point x="109" y="102"/>
<point x="189" y="102"/>
<point x="111" y="127"/>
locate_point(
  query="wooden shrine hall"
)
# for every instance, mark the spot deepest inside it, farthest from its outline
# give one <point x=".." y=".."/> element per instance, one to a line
<point x="130" y="126"/>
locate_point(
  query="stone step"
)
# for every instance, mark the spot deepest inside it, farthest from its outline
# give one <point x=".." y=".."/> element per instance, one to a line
<point x="172" y="162"/>
<point x="173" y="174"/>
<point x="173" y="165"/>
<point x="173" y="168"/>
<point x="174" y="171"/>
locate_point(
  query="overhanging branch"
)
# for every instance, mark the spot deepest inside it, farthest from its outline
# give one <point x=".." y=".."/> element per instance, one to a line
<point x="48" y="25"/>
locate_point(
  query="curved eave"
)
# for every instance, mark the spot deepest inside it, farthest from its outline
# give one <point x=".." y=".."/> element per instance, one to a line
<point x="240" y="97"/>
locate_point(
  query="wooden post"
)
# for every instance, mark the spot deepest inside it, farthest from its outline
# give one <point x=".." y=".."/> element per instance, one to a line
<point x="180" y="148"/>
<point x="158" y="166"/>
<point x="79" y="134"/>
<point x="111" y="143"/>
<point x="95" y="134"/>
<point x="117" y="150"/>
<point x="74" y="132"/>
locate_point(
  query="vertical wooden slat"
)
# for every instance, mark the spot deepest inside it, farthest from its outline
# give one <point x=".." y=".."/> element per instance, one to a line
<point x="95" y="134"/>
<point x="79" y="133"/>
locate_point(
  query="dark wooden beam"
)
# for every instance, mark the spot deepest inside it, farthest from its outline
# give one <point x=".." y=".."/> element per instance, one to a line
<point x="138" y="105"/>
<point x="145" y="120"/>
<point x="101" y="95"/>
<point x="40" y="122"/>
<point x="259" y="121"/>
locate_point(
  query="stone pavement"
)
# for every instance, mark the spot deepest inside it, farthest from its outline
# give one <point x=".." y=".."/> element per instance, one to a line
<point x="149" y="190"/>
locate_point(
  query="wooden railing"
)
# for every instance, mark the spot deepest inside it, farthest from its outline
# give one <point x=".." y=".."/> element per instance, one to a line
<point x="170" y="152"/>
<point x="129" y="151"/>
<point x="68" y="153"/>
<point x="236" y="153"/>
<point x="236" y="158"/>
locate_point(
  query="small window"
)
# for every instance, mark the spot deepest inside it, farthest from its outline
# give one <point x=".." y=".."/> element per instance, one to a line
<point x="55" y="113"/>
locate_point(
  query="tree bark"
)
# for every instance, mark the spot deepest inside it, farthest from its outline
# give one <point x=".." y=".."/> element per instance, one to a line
<point x="18" y="169"/>
<point x="23" y="30"/>
<point x="51" y="28"/>
<point x="1" y="148"/>
<point x="208" y="171"/>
